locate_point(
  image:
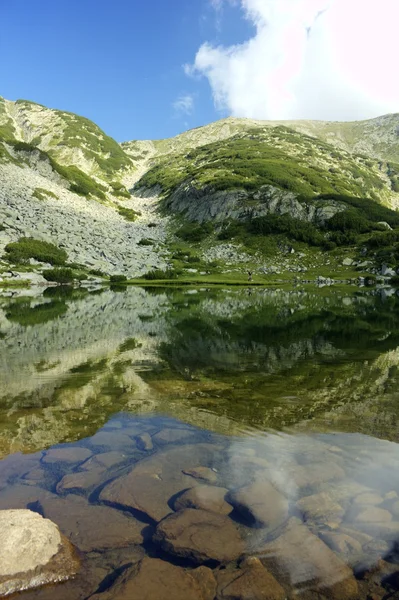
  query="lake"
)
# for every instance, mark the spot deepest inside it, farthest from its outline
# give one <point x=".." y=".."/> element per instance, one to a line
<point x="224" y="443"/>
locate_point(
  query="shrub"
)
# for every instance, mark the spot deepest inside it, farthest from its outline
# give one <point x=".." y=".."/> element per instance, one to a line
<point x="118" y="279"/>
<point x="145" y="242"/>
<point x="348" y="220"/>
<point x="97" y="273"/>
<point x="60" y="275"/>
<point x="128" y="213"/>
<point x="42" y="194"/>
<point x="194" y="232"/>
<point x="292" y="228"/>
<point x="159" y="274"/>
<point x="20" y="252"/>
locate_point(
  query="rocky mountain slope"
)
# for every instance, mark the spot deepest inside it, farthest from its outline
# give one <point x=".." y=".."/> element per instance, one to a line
<point x="122" y="208"/>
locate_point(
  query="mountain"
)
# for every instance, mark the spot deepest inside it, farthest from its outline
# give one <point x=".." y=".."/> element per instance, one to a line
<point x="238" y="191"/>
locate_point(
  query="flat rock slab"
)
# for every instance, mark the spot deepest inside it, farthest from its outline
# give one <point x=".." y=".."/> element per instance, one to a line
<point x="92" y="527"/>
<point x="320" y="508"/>
<point x="17" y="465"/>
<point x="69" y="456"/>
<point x="171" y="436"/>
<point x="302" y="560"/>
<point x="32" y="552"/>
<point x="105" y="460"/>
<point x="206" y="497"/>
<point x="112" y="439"/>
<point x="153" y="481"/>
<point x="203" y="473"/>
<point x="250" y="582"/>
<point x="155" y="579"/>
<point x="200" y="536"/>
<point x="81" y="481"/>
<point x="261" y="503"/>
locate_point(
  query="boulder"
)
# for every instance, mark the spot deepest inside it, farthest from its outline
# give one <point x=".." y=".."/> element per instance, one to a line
<point x="302" y="561"/>
<point x="80" y="481"/>
<point x="144" y="442"/>
<point x="261" y="503"/>
<point x="374" y="515"/>
<point x="170" y="435"/>
<point x="105" y="460"/>
<point x="200" y="536"/>
<point x="205" y="497"/>
<point x="32" y="552"/>
<point x="250" y="582"/>
<point x="153" y="481"/>
<point x="369" y="498"/>
<point x="155" y="579"/>
<point x="320" y="508"/>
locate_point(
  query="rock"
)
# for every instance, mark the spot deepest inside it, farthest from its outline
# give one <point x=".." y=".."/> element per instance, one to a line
<point x="144" y="442"/>
<point x="302" y="560"/>
<point x="70" y="455"/>
<point x="154" y="480"/>
<point x="262" y="503"/>
<point x="250" y="582"/>
<point x="321" y="508"/>
<point x="349" y="548"/>
<point x="17" y="465"/>
<point x="347" y="262"/>
<point x="155" y="579"/>
<point x="111" y="439"/>
<point x="32" y="552"/>
<point x="92" y="527"/>
<point x="206" y="581"/>
<point x="369" y="498"/>
<point x="205" y="497"/>
<point x="200" y="536"/>
<point x="315" y="473"/>
<point x="395" y="508"/>
<point x="170" y="436"/>
<point x="80" y="481"/>
<point x="203" y="473"/>
<point x="105" y="460"/>
<point x="374" y="515"/>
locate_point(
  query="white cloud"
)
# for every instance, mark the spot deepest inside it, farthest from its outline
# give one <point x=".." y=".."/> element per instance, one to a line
<point x="184" y="104"/>
<point x="319" y="59"/>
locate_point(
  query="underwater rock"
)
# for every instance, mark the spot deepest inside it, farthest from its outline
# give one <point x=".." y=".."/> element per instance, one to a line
<point x="153" y="481"/>
<point x="320" y="508"/>
<point x="200" y="536"/>
<point x="73" y="455"/>
<point x="32" y="552"/>
<point x="299" y="559"/>
<point x="92" y="527"/>
<point x="203" y="473"/>
<point x="262" y="503"/>
<point x="205" y="497"/>
<point x="170" y="435"/>
<point x="250" y="582"/>
<point x="144" y="442"/>
<point x="155" y="579"/>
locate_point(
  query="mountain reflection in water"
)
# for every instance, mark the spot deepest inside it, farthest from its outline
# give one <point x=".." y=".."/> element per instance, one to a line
<point x="265" y="423"/>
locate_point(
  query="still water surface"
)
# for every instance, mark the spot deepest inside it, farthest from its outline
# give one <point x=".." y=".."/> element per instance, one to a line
<point x="266" y="421"/>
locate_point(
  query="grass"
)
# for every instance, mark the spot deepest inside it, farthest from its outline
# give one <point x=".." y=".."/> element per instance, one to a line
<point x="128" y="213"/>
<point x="26" y="248"/>
<point x="43" y="194"/>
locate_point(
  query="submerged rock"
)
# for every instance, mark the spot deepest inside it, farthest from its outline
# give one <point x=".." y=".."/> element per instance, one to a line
<point x="155" y="579"/>
<point x="262" y="503"/>
<point x="92" y="527"/>
<point x="200" y="536"/>
<point x="153" y="481"/>
<point x="144" y="442"/>
<point x="32" y="552"/>
<point x="301" y="560"/>
<point x="250" y="582"/>
<point x="320" y="508"/>
<point x="203" y="473"/>
<point x="66" y="455"/>
<point x="206" y="497"/>
<point x="170" y="435"/>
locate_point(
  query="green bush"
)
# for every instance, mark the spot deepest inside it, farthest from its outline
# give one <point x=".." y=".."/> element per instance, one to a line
<point x="145" y="242"/>
<point x="20" y="252"/>
<point x="348" y="220"/>
<point x="60" y="275"/>
<point x="80" y="183"/>
<point x="194" y="232"/>
<point x="128" y="213"/>
<point x="293" y="228"/>
<point x="159" y="274"/>
<point x="118" y="279"/>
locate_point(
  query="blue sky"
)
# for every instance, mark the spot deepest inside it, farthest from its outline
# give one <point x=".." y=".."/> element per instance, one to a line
<point x="118" y="63"/>
<point x="121" y="63"/>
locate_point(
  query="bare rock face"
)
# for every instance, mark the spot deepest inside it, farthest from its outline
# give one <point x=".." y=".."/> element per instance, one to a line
<point x="303" y="561"/>
<point x="155" y="579"/>
<point x="261" y="502"/>
<point x="206" y="497"/>
<point x="153" y="481"/>
<point x="250" y="582"/>
<point x="32" y="552"/>
<point x="200" y="536"/>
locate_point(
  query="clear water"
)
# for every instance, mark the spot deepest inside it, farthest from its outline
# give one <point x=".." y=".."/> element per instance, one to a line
<point x="293" y="389"/>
